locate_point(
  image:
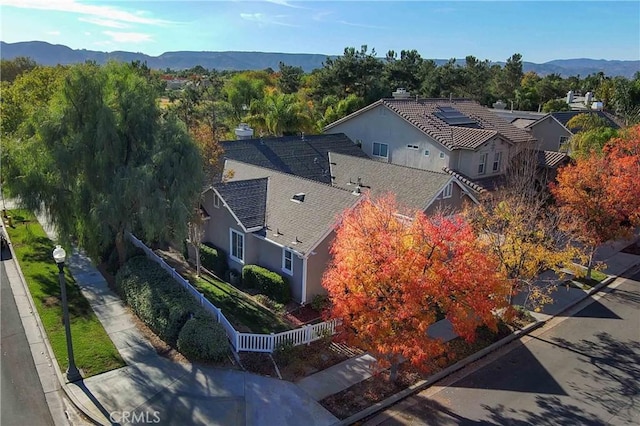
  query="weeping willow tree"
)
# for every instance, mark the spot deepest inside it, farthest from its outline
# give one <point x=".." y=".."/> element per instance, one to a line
<point x="102" y="161"/>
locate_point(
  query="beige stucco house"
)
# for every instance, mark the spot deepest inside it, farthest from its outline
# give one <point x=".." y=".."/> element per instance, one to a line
<point x="433" y="134"/>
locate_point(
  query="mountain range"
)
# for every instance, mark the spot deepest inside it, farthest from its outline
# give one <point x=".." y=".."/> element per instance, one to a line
<point x="53" y="54"/>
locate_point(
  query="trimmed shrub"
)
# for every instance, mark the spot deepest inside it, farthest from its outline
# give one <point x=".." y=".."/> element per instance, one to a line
<point x="213" y="259"/>
<point x="266" y="282"/>
<point x="155" y="297"/>
<point x="202" y="338"/>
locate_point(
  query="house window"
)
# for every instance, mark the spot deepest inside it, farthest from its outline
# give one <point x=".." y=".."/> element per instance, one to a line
<point x="563" y="141"/>
<point x="216" y="200"/>
<point x="448" y="190"/>
<point x="380" y="150"/>
<point x="497" y="161"/>
<point x="413" y="146"/>
<point x="482" y="167"/>
<point x="236" y="240"/>
<point x="442" y="155"/>
<point x="426" y="153"/>
<point x="287" y="261"/>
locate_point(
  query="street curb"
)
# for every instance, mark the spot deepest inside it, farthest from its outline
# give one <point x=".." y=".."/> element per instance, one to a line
<point x="440" y="375"/>
<point x="45" y="338"/>
<point x="379" y="406"/>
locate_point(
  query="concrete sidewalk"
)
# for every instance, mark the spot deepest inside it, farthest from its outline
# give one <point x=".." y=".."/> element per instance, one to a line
<point x="164" y="392"/>
<point x="353" y="371"/>
<point x="153" y="389"/>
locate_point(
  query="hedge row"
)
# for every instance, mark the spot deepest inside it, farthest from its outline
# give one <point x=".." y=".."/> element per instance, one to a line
<point x="213" y="259"/>
<point x="166" y="307"/>
<point x="266" y="282"/>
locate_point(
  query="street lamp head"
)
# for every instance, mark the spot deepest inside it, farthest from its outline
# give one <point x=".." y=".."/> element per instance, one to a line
<point x="59" y="254"/>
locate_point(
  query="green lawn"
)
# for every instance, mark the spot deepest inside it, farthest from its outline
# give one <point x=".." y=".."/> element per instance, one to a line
<point x="596" y="278"/>
<point x="94" y="352"/>
<point x="238" y="308"/>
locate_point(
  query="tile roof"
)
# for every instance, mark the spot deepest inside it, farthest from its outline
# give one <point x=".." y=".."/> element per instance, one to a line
<point x="466" y="180"/>
<point x="413" y="188"/>
<point x="292" y="154"/>
<point x="564" y="116"/>
<point x="247" y="199"/>
<point x="551" y="159"/>
<point x="421" y="114"/>
<point x="298" y="225"/>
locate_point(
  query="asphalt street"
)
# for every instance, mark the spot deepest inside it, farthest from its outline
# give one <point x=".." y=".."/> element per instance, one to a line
<point x="22" y="399"/>
<point x="584" y="370"/>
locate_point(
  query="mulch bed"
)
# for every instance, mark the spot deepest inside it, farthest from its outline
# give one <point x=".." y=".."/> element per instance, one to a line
<point x="303" y="315"/>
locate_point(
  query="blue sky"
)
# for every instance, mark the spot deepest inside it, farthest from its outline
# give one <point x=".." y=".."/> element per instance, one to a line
<point x="539" y="30"/>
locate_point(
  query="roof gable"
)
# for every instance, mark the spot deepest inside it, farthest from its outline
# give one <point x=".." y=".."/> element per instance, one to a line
<point x="297" y="223"/>
<point x="564" y="117"/>
<point x="413" y="188"/>
<point x="304" y="156"/>
<point x="247" y="200"/>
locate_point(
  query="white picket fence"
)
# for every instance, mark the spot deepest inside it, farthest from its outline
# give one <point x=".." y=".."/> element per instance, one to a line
<point x="247" y="342"/>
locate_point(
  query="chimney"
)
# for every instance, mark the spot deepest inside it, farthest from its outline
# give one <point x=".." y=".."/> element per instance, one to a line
<point x="243" y="131"/>
<point x="400" y="93"/>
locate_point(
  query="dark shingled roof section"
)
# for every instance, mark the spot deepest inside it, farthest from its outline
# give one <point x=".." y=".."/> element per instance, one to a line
<point x="247" y="199"/>
<point x="421" y="114"/>
<point x="296" y="225"/>
<point x="564" y="116"/>
<point x="413" y="188"/>
<point x="306" y="157"/>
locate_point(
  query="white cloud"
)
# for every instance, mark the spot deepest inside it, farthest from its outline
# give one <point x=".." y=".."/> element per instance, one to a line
<point x="355" y="24"/>
<point x="261" y="18"/>
<point x="87" y="33"/>
<point x="54" y="33"/>
<point x="128" y="37"/>
<point x="285" y="3"/>
<point x="104" y="22"/>
<point x="98" y="11"/>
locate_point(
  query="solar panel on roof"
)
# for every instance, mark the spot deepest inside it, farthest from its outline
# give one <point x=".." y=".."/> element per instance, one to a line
<point x="453" y="117"/>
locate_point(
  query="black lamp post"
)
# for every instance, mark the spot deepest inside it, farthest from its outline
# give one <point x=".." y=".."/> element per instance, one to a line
<point x="59" y="255"/>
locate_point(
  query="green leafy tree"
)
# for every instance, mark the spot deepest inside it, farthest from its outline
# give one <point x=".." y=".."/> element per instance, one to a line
<point x="10" y="69"/>
<point x="278" y="114"/>
<point x="555" y="105"/>
<point x="403" y="72"/>
<point x="30" y="92"/>
<point x="103" y="161"/>
<point x="509" y="78"/>
<point x="289" y="79"/>
<point x="241" y="90"/>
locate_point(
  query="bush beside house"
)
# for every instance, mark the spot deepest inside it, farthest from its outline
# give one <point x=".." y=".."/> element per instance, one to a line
<point x="201" y="339"/>
<point x="213" y="259"/>
<point x="266" y="282"/>
<point x="166" y="308"/>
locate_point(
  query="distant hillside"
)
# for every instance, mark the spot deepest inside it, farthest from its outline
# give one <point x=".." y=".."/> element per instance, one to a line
<point x="49" y="54"/>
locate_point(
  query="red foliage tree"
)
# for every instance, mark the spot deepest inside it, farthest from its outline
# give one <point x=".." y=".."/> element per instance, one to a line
<point x="392" y="276"/>
<point x="600" y="196"/>
<point x="623" y="156"/>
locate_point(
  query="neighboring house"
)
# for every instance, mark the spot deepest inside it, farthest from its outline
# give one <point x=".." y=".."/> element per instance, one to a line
<point x="305" y="156"/>
<point x="431" y="134"/>
<point x="520" y="119"/>
<point x="414" y="189"/>
<point x="279" y="221"/>
<point x="552" y="130"/>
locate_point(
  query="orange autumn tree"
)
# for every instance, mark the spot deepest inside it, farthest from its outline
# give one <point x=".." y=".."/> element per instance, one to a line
<point x="392" y="276"/>
<point x="591" y="205"/>
<point x="623" y="161"/>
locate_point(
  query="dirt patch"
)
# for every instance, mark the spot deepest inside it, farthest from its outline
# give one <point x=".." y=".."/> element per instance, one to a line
<point x="51" y="301"/>
<point x="295" y="363"/>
